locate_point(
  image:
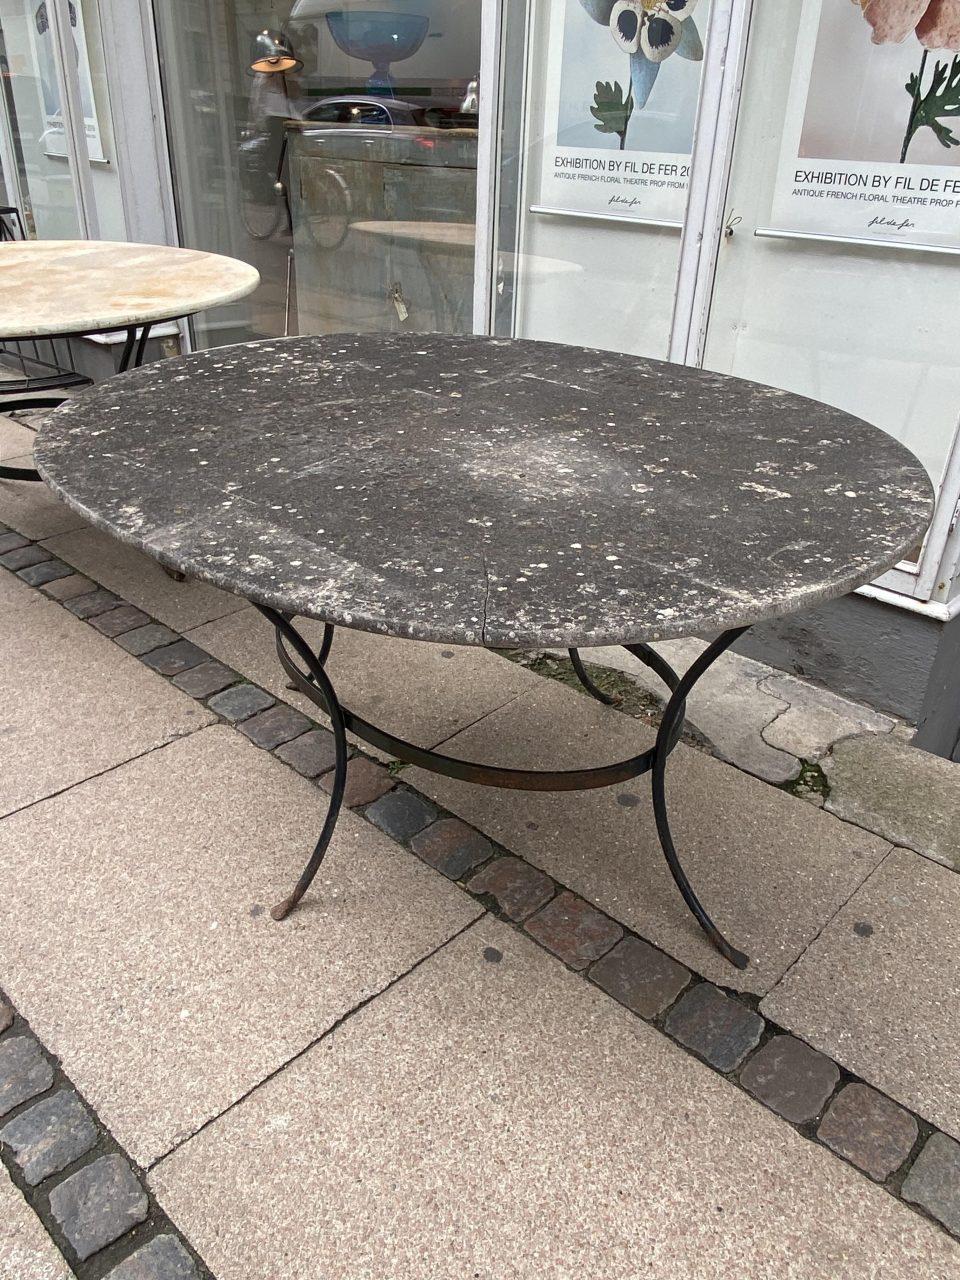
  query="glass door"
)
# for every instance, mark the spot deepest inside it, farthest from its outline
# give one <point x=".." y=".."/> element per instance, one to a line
<point x="56" y="128"/>
<point x="838" y="278"/>
<point x="599" y="104"/>
<point x="332" y="144"/>
<point x="38" y="166"/>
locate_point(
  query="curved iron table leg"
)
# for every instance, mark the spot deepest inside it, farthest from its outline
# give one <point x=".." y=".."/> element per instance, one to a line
<point x="326" y="644"/>
<point x="29" y="403"/>
<point x="20" y="405"/>
<point x="314" y="683"/>
<point x="670" y="726"/>
<point x="142" y="345"/>
<point x="127" y="354"/>
<point x="319" y="678"/>
<point x="650" y="658"/>
<point x="588" y="684"/>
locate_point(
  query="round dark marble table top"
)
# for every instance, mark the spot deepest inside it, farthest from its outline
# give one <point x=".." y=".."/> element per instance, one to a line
<point x="487" y="491"/>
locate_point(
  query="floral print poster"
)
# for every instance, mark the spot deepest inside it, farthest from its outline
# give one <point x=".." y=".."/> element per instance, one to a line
<point x="871" y="147"/>
<point x="622" y="82"/>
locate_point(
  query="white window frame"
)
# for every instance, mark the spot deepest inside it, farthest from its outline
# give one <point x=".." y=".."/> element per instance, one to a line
<point x="133" y="86"/>
<point x="488" y="170"/>
<point x="11" y="170"/>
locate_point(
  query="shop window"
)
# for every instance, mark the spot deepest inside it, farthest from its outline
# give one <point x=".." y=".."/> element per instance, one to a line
<point x="65" y="183"/>
<point x="599" y="105"/>
<point x="324" y="143"/>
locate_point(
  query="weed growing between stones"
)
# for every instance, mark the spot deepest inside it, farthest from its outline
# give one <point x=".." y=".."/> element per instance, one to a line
<point x="809" y="784"/>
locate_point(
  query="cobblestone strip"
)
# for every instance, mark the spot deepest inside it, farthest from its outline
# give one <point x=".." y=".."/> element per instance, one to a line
<point x="819" y="1098"/>
<point x="90" y="1196"/>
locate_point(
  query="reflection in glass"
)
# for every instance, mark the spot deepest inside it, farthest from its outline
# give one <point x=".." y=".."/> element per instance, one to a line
<point x="324" y="143"/>
<point x="381" y="38"/>
<point x="34" y="122"/>
<point x="272" y="52"/>
<point x="33" y="126"/>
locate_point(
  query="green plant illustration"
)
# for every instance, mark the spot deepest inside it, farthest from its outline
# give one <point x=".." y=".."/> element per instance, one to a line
<point x="941" y="100"/>
<point x="611" y="110"/>
<point x="649" y="32"/>
<point x="935" y="25"/>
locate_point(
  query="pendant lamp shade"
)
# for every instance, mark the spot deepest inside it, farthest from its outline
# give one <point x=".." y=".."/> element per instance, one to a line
<point x="272" y="52"/>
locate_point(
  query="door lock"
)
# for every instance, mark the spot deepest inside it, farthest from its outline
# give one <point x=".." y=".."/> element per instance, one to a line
<point x="396" y="297"/>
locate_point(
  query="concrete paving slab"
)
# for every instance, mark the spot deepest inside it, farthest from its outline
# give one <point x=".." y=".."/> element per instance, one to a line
<point x="771" y="869"/>
<point x="178" y="992"/>
<point x="421" y="692"/>
<point x="816" y="718"/>
<point x="137" y="578"/>
<point x="16" y="440"/>
<point x="727" y="706"/>
<point x="26" y="1251"/>
<point x="71" y="703"/>
<point x="31" y="508"/>
<point x="756" y="717"/>
<point x="904" y="794"/>
<point x="507" y="1121"/>
<point x="879" y="990"/>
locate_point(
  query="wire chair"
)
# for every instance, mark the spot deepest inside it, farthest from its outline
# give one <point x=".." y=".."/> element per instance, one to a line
<point x="45" y="364"/>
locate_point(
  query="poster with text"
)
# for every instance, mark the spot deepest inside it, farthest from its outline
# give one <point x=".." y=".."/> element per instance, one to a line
<point x="622" y="80"/>
<point x="871" y="147"/>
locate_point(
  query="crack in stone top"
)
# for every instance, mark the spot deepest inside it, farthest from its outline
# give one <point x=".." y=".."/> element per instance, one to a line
<point x="487" y="491"/>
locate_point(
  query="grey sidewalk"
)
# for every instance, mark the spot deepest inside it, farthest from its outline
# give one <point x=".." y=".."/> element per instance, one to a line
<point x="394" y="1082"/>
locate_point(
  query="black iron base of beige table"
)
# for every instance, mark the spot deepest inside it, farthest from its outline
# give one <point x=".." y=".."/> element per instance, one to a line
<point x="134" y="348"/>
<point x="314" y="683"/>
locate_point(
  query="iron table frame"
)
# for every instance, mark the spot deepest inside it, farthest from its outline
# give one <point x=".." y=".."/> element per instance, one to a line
<point x="312" y="680"/>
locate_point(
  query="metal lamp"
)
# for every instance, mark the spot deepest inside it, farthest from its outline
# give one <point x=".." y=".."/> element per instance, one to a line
<point x="273" y="52"/>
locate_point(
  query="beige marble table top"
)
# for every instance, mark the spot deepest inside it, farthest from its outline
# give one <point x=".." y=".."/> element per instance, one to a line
<point x="50" y="287"/>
